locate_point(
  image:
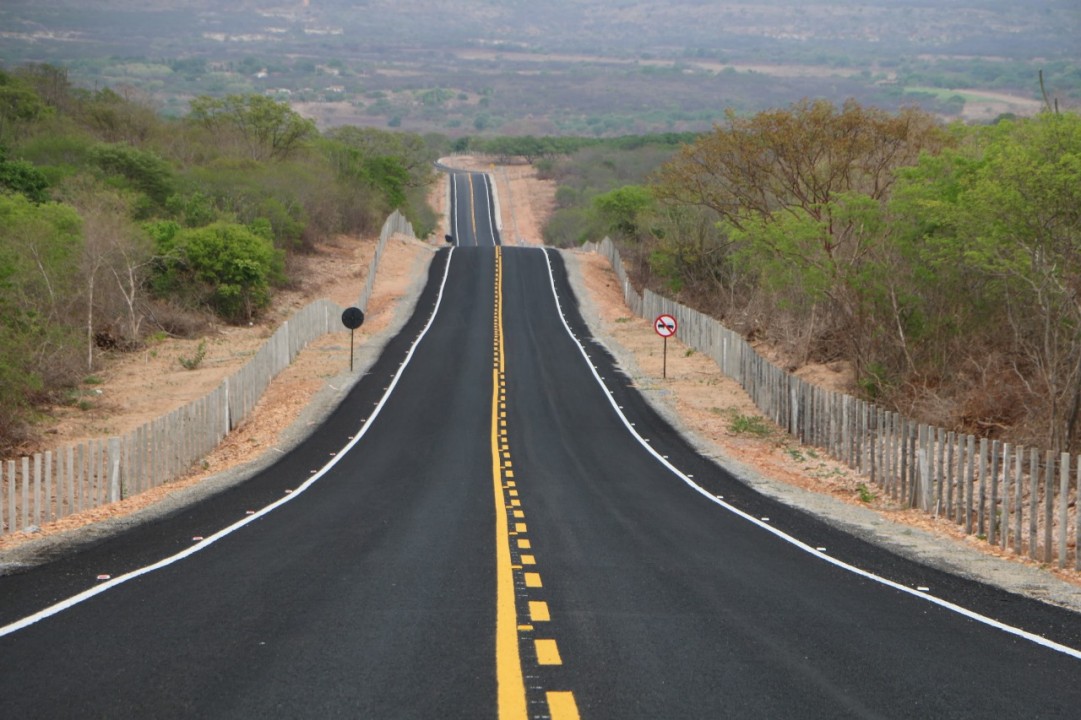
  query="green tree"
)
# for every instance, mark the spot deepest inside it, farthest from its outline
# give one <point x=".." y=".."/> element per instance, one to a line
<point x="623" y="209"/>
<point x="267" y="129"/>
<point x="19" y="105"/>
<point x="225" y="266"/>
<point x="22" y="177"/>
<point x="396" y="166"/>
<point x="1006" y="210"/>
<point x="116" y="117"/>
<point x="39" y="265"/>
<point x="803" y="191"/>
<point x="144" y="171"/>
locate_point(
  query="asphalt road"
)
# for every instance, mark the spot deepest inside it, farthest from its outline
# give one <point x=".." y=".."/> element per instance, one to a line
<point x="510" y="531"/>
<point x="473" y="210"/>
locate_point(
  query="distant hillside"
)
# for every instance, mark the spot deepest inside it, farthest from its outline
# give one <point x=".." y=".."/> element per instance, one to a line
<point x="561" y="66"/>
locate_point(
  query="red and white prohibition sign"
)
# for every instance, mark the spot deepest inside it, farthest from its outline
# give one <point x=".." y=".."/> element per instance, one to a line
<point x="665" y="325"/>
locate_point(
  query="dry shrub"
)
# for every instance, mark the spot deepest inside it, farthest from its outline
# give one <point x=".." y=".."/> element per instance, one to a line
<point x="62" y="369"/>
<point x="16" y="435"/>
<point x="992" y="401"/>
<point x="179" y="322"/>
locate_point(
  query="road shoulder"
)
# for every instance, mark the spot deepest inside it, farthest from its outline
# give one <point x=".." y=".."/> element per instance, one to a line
<point x="944" y="553"/>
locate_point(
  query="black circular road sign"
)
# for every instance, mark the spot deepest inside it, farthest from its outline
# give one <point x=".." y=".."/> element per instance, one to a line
<point x="352" y="318"/>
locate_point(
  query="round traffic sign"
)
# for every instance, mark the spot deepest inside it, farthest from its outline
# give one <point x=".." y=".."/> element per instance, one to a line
<point x="352" y="318"/>
<point x="665" y="325"/>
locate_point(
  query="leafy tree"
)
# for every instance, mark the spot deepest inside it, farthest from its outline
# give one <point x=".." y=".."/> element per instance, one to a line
<point x="226" y="266"/>
<point x="19" y="104"/>
<point x="1006" y="210"/>
<point x="623" y="209"/>
<point x="803" y="190"/>
<point x="22" y="177"/>
<point x="412" y="152"/>
<point x="39" y="256"/>
<point x="267" y="129"/>
<point x="116" y="117"/>
<point x="143" y="170"/>
<point x="52" y="85"/>
<point x="396" y="166"/>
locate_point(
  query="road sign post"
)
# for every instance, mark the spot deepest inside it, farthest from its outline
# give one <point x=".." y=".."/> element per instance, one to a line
<point x="352" y="318"/>
<point x="665" y="325"/>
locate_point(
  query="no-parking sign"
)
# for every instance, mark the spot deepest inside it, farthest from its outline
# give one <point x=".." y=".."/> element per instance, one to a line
<point x="665" y="325"/>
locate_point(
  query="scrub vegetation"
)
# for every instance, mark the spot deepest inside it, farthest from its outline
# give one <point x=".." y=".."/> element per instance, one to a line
<point x="118" y="224"/>
<point x="938" y="263"/>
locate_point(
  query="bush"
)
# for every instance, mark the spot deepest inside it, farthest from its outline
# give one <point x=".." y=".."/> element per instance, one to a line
<point x="143" y="171"/>
<point x="224" y="266"/>
<point x="22" y="177"/>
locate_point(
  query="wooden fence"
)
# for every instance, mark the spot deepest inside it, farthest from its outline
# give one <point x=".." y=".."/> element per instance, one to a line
<point x="53" y="484"/>
<point x="1021" y="499"/>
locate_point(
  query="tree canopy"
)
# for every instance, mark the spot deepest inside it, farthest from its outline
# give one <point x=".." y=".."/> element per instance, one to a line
<point x="117" y="223"/>
<point x="941" y="263"/>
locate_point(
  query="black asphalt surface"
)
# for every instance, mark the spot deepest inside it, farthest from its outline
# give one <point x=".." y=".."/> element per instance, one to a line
<point x="371" y="594"/>
<point x="666" y="605"/>
<point x="473" y="217"/>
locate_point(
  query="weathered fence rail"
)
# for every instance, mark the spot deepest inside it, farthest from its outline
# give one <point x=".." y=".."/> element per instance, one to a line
<point x="57" y="483"/>
<point x="1021" y="499"/>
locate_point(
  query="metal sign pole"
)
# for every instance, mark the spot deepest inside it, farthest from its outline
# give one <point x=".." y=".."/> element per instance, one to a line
<point x="664" y="362"/>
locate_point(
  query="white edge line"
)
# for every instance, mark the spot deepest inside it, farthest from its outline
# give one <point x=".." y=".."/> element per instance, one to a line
<point x="971" y="614"/>
<point x="454" y="205"/>
<point x="490" y="205"/>
<point x="207" y="542"/>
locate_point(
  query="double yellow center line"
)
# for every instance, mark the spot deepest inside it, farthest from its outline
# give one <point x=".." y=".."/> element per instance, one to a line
<point x="516" y="561"/>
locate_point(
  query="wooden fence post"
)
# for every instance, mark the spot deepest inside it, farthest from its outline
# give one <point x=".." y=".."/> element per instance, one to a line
<point x="1004" y="525"/>
<point x="80" y="465"/>
<point x="1063" y="506"/>
<point x="1048" y="506"/>
<point x="1033" y="500"/>
<point x="926" y="453"/>
<point x="114" y="470"/>
<point x="981" y="501"/>
<point x="1077" y="519"/>
<point x="47" y="484"/>
<point x="992" y="501"/>
<point x="1018" y="494"/>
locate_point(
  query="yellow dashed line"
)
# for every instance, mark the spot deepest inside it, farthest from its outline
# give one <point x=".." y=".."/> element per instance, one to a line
<point x="561" y="706"/>
<point x="538" y="611"/>
<point x="547" y="652"/>
<point x="510" y="673"/>
<point x="510" y="681"/>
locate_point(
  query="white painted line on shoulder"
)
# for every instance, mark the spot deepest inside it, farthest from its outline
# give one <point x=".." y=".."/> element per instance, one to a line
<point x="940" y="602"/>
<point x="224" y="532"/>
